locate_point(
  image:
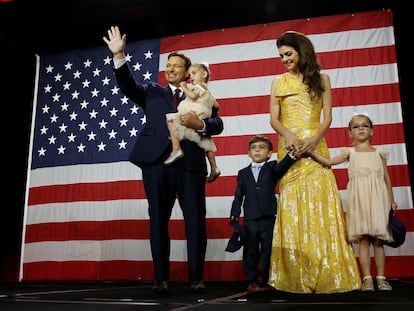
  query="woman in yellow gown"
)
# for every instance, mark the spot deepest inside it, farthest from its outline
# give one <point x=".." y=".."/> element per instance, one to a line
<point x="310" y="251"/>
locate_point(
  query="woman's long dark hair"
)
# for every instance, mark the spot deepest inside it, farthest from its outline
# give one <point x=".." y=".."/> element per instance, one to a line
<point x="308" y="64"/>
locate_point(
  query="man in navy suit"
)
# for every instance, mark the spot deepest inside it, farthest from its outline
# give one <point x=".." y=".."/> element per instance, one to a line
<point x="256" y="185"/>
<point x="185" y="179"/>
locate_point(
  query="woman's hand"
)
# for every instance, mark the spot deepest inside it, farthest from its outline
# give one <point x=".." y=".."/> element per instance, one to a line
<point x="293" y="143"/>
<point x="308" y="145"/>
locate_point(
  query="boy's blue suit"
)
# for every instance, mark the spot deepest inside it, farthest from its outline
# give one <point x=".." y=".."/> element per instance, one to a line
<point x="259" y="204"/>
<point x="186" y="179"/>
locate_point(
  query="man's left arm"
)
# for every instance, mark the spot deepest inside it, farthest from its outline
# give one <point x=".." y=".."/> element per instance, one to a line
<point x="206" y="127"/>
<point x="213" y="125"/>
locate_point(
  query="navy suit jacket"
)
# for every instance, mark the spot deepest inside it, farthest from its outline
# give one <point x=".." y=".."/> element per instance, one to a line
<point x="259" y="199"/>
<point x="154" y="145"/>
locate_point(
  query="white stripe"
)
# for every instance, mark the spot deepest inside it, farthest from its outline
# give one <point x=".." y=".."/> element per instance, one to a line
<point x="340" y="78"/>
<point x="326" y="42"/>
<point x="260" y="123"/>
<point x="217" y="207"/>
<point x="107" y="172"/>
<point x="139" y="250"/>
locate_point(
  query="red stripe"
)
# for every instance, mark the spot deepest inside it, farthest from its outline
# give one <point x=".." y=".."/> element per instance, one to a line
<point x="126" y="270"/>
<point x="336" y="137"/>
<point x="117" y="190"/>
<point x="217" y="228"/>
<point x="273" y="66"/>
<point x="396" y="266"/>
<point x="224" y="186"/>
<point x="341" y="97"/>
<point x="270" y="31"/>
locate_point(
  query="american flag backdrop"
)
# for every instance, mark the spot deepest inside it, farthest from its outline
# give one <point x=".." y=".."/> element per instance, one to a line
<point x="85" y="210"/>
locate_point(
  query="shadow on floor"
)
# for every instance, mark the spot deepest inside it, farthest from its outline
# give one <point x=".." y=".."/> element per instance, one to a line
<point x="111" y="296"/>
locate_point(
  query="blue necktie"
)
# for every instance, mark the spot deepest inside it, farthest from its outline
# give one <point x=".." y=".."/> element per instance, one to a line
<point x="256" y="170"/>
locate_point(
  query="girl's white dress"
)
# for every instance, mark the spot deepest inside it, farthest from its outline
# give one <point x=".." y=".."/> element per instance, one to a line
<point x="202" y="107"/>
<point x="368" y="203"/>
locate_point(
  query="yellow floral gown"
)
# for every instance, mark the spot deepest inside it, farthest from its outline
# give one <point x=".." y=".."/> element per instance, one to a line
<point x="310" y="251"/>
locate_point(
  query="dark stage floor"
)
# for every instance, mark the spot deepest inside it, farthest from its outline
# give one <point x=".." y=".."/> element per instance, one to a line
<point x="111" y="296"/>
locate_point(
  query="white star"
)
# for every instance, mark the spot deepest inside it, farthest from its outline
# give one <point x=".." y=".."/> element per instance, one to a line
<point x="73" y="116"/>
<point x="65" y="106"/>
<point x="84" y="104"/>
<point x="42" y="152"/>
<point x="93" y="114"/>
<point x="113" y="112"/>
<point x="66" y="86"/>
<point x="77" y="74"/>
<point x="68" y="65"/>
<point x="49" y="69"/>
<point x="103" y="124"/>
<point x="112" y="134"/>
<point x="104" y="102"/>
<point x="137" y="66"/>
<point x="128" y="57"/>
<point x="45" y="109"/>
<point x="147" y="75"/>
<point x="52" y="140"/>
<point x="101" y="146"/>
<point x="82" y="126"/>
<point x="86" y="83"/>
<point x="107" y="60"/>
<point x="122" y="145"/>
<point x="115" y="90"/>
<point x="63" y="127"/>
<point x="91" y="136"/>
<point x="75" y="95"/>
<point x="134" y="109"/>
<point x="95" y="92"/>
<point x="58" y="77"/>
<point x="96" y="72"/>
<point x="106" y="81"/>
<point x="43" y="130"/>
<point x="56" y="97"/>
<point x="123" y="122"/>
<point x="87" y="63"/>
<point x="133" y="132"/>
<point x="61" y="150"/>
<point x="47" y="88"/>
<point x="53" y="118"/>
<point x="124" y="100"/>
<point x="148" y="55"/>
<point x="81" y="148"/>
<point x="71" y="137"/>
<point x="143" y="119"/>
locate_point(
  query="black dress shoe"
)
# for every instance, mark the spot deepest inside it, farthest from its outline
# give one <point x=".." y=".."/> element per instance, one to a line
<point x="160" y="287"/>
<point x="197" y="286"/>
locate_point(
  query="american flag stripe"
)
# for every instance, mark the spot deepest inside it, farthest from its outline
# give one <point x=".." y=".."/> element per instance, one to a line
<point x="89" y="220"/>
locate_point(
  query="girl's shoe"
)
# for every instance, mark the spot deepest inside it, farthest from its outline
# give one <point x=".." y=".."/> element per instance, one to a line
<point x="367" y="284"/>
<point x="213" y="175"/>
<point x="174" y="156"/>
<point x="384" y="286"/>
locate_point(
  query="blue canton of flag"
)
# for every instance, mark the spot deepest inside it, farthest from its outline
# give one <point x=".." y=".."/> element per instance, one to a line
<point x="81" y="115"/>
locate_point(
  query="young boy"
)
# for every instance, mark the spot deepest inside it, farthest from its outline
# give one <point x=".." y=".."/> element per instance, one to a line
<point x="257" y="195"/>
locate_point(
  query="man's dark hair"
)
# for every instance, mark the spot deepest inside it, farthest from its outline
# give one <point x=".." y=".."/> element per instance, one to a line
<point x="187" y="60"/>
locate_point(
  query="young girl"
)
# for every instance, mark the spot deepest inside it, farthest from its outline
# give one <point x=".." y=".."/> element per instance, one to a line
<point x="369" y="198"/>
<point x="200" y="100"/>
